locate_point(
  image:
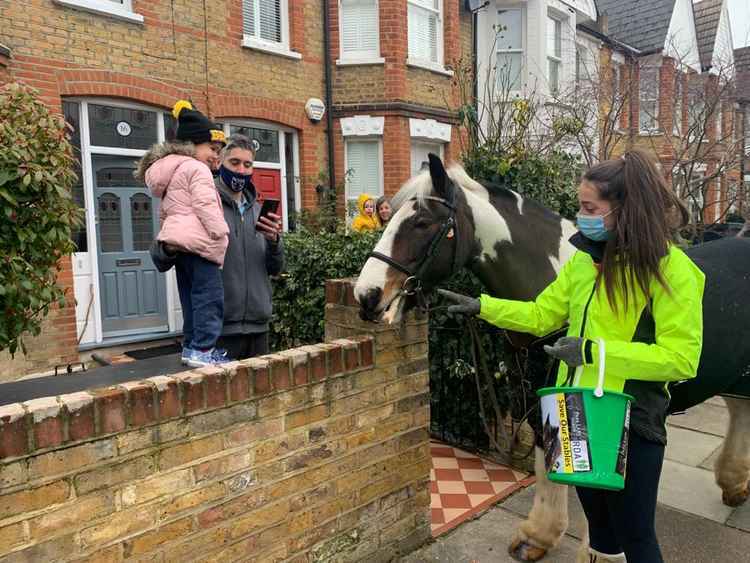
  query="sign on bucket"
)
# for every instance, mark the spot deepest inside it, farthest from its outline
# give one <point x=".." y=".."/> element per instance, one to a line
<point x="585" y="434"/>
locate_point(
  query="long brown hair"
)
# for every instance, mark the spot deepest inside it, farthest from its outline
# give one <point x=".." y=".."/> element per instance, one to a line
<point x="647" y="214"/>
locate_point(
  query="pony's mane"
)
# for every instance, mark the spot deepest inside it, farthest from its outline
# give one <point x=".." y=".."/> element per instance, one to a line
<point x="421" y="185"/>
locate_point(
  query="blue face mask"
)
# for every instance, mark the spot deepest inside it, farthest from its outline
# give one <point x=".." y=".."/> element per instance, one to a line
<point x="592" y="226"/>
<point x="234" y="181"/>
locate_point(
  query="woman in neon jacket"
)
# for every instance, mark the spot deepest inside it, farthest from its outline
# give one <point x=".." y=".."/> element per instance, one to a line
<point x="629" y="289"/>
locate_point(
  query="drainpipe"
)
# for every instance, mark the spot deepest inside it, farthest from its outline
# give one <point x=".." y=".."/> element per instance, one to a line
<point x="328" y="92"/>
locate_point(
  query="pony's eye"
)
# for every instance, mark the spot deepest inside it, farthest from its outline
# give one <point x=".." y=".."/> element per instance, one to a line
<point x="422" y="224"/>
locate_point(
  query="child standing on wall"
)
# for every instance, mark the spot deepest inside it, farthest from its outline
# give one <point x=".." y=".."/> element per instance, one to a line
<point x="192" y="227"/>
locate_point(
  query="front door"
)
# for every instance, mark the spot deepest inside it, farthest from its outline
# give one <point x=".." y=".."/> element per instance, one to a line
<point x="267" y="182"/>
<point x="133" y="292"/>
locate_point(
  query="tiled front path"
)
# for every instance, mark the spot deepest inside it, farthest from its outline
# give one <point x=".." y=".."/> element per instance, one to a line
<point x="463" y="485"/>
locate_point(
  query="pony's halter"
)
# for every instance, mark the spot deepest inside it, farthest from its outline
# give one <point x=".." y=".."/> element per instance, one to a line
<point x="413" y="283"/>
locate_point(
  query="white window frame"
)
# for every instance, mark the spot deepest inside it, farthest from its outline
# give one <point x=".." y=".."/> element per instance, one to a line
<point x="118" y="10"/>
<point x="415" y="143"/>
<point x="719" y="120"/>
<point x="555" y="58"/>
<point x="359" y="57"/>
<point x="654" y="129"/>
<point x="438" y="65"/>
<point x="276" y="48"/>
<point x="522" y="51"/>
<point x="678" y="107"/>
<point x="361" y="139"/>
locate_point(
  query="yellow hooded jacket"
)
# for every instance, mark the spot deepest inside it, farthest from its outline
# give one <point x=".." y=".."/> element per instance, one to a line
<point x="364" y="222"/>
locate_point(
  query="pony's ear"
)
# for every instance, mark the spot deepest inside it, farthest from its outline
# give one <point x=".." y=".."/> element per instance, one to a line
<point x="440" y="181"/>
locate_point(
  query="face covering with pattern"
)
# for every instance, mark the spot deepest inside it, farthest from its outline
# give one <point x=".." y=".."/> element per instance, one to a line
<point x="234" y="181"/>
<point x="592" y="226"/>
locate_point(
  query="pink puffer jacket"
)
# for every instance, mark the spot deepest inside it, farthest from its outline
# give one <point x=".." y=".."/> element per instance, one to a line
<point x="191" y="215"/>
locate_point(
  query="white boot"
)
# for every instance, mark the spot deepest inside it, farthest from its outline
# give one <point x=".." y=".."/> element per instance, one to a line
<point x="598" y="557"/>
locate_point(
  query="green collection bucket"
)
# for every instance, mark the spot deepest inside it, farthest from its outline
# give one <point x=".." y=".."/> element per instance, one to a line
<point x="585" y="434"/>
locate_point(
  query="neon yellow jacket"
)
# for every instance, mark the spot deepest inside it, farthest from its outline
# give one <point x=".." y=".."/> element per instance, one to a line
<point x="670" y="351"/>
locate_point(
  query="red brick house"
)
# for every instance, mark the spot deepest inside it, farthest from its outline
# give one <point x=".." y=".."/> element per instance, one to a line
<point x="115" y="67"/>
<point x="672" y="62"/>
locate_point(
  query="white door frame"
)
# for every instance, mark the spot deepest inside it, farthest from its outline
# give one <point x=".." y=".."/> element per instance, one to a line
<point x="87" y="150"/>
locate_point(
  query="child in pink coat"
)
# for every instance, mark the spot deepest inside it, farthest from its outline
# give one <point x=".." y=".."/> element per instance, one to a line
<point x="192" y="227"/>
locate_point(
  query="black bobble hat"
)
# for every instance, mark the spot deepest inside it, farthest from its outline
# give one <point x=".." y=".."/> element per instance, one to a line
<point x="195" y="127"/>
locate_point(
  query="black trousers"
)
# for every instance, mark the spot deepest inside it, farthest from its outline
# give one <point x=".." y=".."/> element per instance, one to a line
<point x="623" y="521"/>
<point x="242" y="346"/>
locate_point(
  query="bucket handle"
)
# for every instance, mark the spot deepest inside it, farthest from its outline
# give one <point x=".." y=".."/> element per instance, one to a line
<point x="599" y="390"/>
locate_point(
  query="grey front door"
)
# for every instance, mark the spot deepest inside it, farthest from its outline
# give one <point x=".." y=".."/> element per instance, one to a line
<point x="133" y="292"/>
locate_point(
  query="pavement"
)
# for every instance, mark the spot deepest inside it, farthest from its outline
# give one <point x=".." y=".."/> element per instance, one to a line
<point x="693" y="525"/>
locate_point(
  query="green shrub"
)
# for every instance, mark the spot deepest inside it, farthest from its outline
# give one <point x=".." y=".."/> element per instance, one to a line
<point x="312" y="257"/>
<point x="36" y="178"/>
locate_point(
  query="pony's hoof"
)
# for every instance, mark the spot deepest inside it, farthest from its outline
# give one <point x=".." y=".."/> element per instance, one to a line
<point x="522" y="551"/>
<point x="735" y="499"/>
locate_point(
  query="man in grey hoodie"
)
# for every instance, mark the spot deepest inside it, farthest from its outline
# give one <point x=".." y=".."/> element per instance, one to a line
<point x="255" y="252"/>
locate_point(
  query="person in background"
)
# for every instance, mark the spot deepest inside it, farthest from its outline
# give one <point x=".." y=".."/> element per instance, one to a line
<point x="193" y="230"/>
<point x="255" y="252"/>
<point x="383" y="207"/>
<point x="367" y="218"/>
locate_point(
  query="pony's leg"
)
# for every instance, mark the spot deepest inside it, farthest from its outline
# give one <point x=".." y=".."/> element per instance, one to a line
<point x="548" y="518"/>
<point x="733" y="464"/>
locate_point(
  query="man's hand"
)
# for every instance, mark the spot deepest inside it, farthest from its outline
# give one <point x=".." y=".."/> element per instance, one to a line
<point x="461" y="303"/>
<point x="270" y="226"/>
<point x="568" y="349"/>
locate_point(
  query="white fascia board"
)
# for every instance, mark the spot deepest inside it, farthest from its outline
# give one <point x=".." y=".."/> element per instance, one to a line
<point x="585" y="8"/>
<point x="722" y="56"/>
<point x="681" y="42"/>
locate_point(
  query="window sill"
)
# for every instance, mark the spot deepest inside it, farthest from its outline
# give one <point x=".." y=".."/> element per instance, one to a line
<point x="360" y="61"/>
<point x="100" y="8"/>
<point x="432" y="67"/>
<point x="651" y="132"/>
<point x="270" y="48"/>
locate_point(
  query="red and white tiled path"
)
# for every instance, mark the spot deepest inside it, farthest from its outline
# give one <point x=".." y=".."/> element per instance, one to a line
<point x="463" y="485"/>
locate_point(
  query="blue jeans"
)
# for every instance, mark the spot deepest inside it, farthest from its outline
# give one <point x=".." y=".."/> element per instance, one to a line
<point x="623" y="521"/>
<point x="202" y="298"/>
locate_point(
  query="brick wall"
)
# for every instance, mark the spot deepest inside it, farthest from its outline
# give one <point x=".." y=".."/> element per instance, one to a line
<point x="312" y="454"/>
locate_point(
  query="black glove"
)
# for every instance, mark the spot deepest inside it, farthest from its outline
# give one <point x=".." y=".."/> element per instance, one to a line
<point x="461" y="303"/>
<point x="569" y="349"/>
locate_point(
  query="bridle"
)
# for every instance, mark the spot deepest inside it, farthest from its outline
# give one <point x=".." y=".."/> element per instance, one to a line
<point x="414" y="277"/>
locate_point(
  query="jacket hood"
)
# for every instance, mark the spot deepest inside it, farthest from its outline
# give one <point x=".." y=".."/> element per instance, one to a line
<point x="158" y="152"/>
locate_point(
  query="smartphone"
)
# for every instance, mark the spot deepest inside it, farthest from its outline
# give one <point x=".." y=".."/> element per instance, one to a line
<point x="269" y="206"/>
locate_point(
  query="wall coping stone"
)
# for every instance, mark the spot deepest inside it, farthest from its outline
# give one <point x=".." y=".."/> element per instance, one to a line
<point x="47" y="422"/>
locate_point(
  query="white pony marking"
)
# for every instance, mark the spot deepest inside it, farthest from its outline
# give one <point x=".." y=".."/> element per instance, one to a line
<point x="519" y="202"/>
<point x="565" y="250"/>
<point x="490" y="227"/>
<point x="373" y="274"/>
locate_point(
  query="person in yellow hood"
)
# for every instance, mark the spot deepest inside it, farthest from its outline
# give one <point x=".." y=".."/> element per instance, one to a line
<point x="634" y="302"/>
<point x="367" y="219"/>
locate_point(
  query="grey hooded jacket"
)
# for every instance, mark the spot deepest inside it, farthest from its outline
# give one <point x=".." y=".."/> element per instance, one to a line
<point x="249" y="261"/>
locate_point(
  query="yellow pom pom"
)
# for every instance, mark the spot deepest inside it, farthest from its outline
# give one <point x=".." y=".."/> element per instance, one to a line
<point x="179" y="106"/>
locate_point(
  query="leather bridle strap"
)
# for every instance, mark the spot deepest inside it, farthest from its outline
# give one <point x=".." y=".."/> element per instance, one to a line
<point x="415" y="277"/>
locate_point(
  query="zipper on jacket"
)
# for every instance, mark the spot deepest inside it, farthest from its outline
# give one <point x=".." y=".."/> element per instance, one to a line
<point x="571" y="374"/>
